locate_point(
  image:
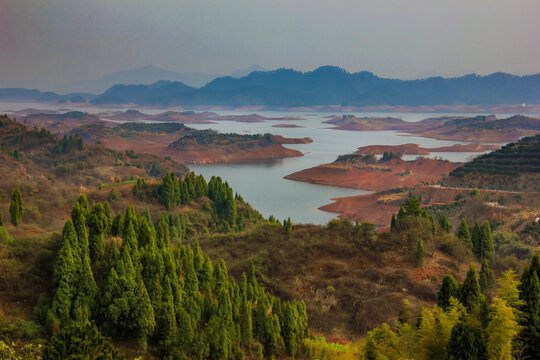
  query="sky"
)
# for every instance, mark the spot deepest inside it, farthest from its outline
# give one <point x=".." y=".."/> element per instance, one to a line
<point x="49" y="42"/>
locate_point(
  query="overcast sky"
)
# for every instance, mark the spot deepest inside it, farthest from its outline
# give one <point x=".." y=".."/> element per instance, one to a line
<point x="46" y="42"/>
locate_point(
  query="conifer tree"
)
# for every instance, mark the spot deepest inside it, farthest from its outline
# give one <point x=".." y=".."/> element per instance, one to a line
<point x="107" y="209"/>
<point x="117" y="225"/>
<point x="476" y="239"/>
<point x="246" y="322"/>
<point x="486" y="241"/>
<point x="80" y="341"/>
<point x="289" y="329"/>
<point x="16" y="208"/>
<point x="466" y="342"/>
<point x="393" y="224"/>
<point x="448" y="290"/>
<point x="79" y="222"/>
<point x="444" y="224"/>
<point x="419" y="252"/>
<point x="486" y="278"/>
<point x="287" y="225"/>
<point x="82" y="200"/>
<point x="130" y="217"/>
<point x="1" y="219"/>
<point x="530" y="295"/>
<point x="463" y="233"/>
<point x="97" y="225"/>
<point x="469" y="291"/>
<point x="64" y="275"/>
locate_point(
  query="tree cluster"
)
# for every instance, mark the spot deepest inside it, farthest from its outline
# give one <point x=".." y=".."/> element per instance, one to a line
<point x="125" y="274"/>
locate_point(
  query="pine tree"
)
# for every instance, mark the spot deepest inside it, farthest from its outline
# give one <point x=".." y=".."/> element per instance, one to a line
<point x="287" y="225"/>
<point x="448" y="290"/>
<point x="444" y="224"/>
<point x="289" y="329"/>
<point x="117" y="225"/>
<point x="530" y="295"/>
<point x="107" y="209"/>
<point x="82" y="200"/>
<point x="393" y="224"/>
<point x="463" y="233"/>
<point x="466" y="342"/>
<point x="80" y="341"/>
<point x="469" y="292"/>
<point x="64" y="275"/>
<point x="486" y="242"/>
<point x="16" y="208"/>
<point x="486" y="278"/>
<point x="419" y="252"/>
<point x="476" y="239"/>
<point x="97" y="225"/>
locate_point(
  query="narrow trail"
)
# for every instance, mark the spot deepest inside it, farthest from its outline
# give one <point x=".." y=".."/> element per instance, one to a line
<point x="470" y="189"/>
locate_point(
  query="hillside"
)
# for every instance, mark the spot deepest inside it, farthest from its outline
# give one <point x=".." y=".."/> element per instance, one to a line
<point x="460" y="128"/>
<point x="329" y="85"/>
<point x="516" y="166"/>
<point x="187" y="145"/>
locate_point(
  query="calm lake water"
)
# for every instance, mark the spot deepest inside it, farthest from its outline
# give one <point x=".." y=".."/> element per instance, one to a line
<point x="263" y="185"/>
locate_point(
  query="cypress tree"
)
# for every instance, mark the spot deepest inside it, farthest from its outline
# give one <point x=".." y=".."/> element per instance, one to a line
<point x="449" y="289"/>
<point x="97" y="225"/>
<point x="530" y="295"/>
<point x="486" y="279"/>
<point x="16" y="208"/>
<point x="486" y="242"/>
<point x="80" y="341"/>
<point x="444" y="224"/>
<point x="463" y="233"/>
<point x="287" y="225"/>
<point x="419" y="252"/>
<point x="162" y="233"/>
<point x="82" y="200"/>
<point x="117" y="225"/>
<point x="466" y="342"/>
<point x="246" y="322"/>
<point x="64" y="275"/>
<point x="469" y="291"/>
<point x="289" y="329"/>
<point x="107" y="209"/>
<point x="205" y="276"/>
<point x="476" y="239"/>
<point x="130" y="217"/>
<point x="393" y="224"/>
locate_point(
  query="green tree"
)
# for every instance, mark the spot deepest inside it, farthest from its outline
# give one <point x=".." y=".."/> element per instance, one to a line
<point x="486" y="241"/>
<point x="463" y="233"/>
<point x="469" y="292"/>
<point x="97" y="225"/>
<point x="530" y="295"/>
<point x="117" y="225"/>
<point x="448" y="290"/>
<point x="501" y="331"/>
<point x="466" y="342"/>
<point x="16" y="208"/>
<point x="444" y="224"/>
<point x="419" y="252"/>
<point x="80" y="341"/>
<point x="393" y="224"/>
<point x="486" y="278"/>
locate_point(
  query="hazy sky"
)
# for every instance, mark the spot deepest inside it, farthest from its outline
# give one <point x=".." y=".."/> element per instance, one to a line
<point x="45" y="42"/>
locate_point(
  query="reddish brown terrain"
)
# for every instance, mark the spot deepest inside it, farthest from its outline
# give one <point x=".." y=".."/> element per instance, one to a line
<point x="459" y="128"/>
<point x="376" y="177"/>
<point x="415" y="149"/>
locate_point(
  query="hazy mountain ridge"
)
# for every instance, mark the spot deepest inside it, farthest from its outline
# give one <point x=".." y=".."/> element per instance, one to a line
<point x="329" y="85"/>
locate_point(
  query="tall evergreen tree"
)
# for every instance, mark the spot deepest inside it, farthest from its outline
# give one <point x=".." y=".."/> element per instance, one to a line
<point x="444" y="224"/>
<point x="64" y="275"/>
<point x="16" y="208"/>
<point x="448" y="290"/>
<point x="530" y="295"/>
<point x="469" y="292"/>
<point x="486" y="242"/>
<point x="466" y="342"/>
<point x="97" y="225"/>
<point x="419" y="252"/>
<point x="117" y="225"/>
<point x="486" y="278"/>
<point x="463" y="233"/>
<point x="476" y="239"/>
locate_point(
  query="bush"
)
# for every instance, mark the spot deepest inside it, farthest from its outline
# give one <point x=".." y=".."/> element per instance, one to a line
<point x="5" y="237"/>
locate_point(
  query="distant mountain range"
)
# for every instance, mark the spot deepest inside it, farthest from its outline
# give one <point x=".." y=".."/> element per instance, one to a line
<point x="330" y="85"/>
<point x="327" y="85"/>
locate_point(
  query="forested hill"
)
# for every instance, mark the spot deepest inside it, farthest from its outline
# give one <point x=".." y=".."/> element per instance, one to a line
<point x="330" y="85"/>
<point x="515" y="166"/>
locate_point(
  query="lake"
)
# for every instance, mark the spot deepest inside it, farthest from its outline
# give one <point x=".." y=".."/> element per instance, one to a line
<point x="263" y="185"/>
